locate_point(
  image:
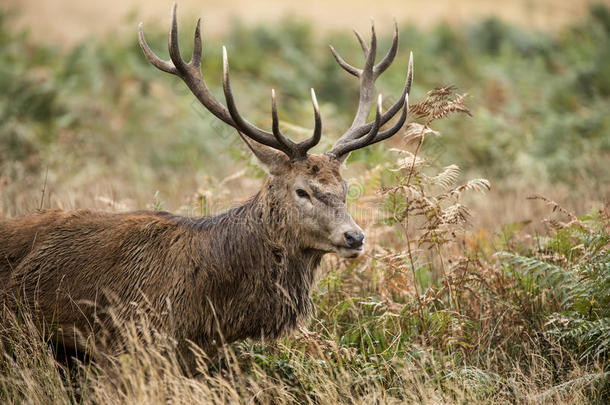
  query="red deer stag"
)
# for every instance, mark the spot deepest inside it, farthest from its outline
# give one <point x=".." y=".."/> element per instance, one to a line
<point x="246" y="273"/>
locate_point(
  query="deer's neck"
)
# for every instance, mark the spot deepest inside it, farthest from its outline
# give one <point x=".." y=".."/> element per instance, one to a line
<point x="263" y="222"/>
<point x="273" y="229"/>
<point x="256" y="250"/>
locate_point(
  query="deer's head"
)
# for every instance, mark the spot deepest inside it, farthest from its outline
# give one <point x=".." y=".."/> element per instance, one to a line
<point x="308" y="186"/>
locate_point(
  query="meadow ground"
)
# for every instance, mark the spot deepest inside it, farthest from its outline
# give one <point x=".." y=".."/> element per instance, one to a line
<point x="469" y="292"/>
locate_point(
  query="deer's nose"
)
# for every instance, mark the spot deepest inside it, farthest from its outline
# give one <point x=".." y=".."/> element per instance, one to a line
<point x="354" y="240"/>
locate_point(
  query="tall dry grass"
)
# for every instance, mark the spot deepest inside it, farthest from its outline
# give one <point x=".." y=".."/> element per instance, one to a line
<point x="429" y="315"/>
<point x="456" y="300"/>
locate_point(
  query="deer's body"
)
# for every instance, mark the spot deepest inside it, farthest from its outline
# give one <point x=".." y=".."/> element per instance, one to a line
<point x="231" y="272"/>
<point x="245" y="273"/>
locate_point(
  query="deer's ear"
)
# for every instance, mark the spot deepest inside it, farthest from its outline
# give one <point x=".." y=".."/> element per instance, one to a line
<point x="271" y="160"/>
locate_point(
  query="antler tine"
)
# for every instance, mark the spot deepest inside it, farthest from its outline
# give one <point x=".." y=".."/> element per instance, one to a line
<point x="154" y="60"/>
<point x="389" y="57"/>
<point x="391" y="131"/>
<point x="373" y="136"/>
<point x="317" y="131"/>
<point x="376" y="123"/>
<point x="297" y="150"/>
<point x="286" y="143"/>
<point x="371" y="54"/>
<point x="363" y="44"/>
<point x="368" y="53"/>
<point x="367" y="82"/>
<point x="197" y="47"/>
<point x="173" y="46"/>
<point x="240" y="123"/>
<point x="346" y="66"/>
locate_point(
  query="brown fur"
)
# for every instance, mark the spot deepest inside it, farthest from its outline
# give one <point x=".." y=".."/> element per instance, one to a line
<point x="246" y="273"/>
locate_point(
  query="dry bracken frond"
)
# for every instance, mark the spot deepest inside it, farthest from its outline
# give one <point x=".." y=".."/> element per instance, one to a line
<point x="447" y="177"/>
<point x="408" y="161"/>
<point x="554" y="222"/>
<point x="480" y="185"/>
<point x="415" y="130"/>
<point x="439" y="103"/>
<point x="456" y="214"/>
<point x="428" y="219"/>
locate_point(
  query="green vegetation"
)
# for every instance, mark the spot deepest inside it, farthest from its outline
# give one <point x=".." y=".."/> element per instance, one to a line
<point x="539" y="102"/>
<point x="436" y="312"/>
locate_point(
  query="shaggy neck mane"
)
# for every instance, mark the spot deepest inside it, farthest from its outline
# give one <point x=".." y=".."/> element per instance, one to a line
<point x="261" y="215"/>
<point x="256" y="248"/>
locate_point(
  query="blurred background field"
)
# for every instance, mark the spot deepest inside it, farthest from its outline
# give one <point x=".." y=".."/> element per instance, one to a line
<point x="85" y="121"/>
<point x="62" y="21"/>
<point x="94" y="116"/>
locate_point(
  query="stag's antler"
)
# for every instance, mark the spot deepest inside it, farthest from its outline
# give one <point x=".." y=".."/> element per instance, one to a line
<point x="190" y="73"/>
<point x="355" y="137"/>
<point x="360" y="133"/>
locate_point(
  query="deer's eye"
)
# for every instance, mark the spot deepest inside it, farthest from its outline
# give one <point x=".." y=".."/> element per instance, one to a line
<point x="302" y="193"/>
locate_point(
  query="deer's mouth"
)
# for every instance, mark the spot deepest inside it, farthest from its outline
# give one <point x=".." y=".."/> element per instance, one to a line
<point x="349" y="253"/>
<point x="348" y="244"/>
